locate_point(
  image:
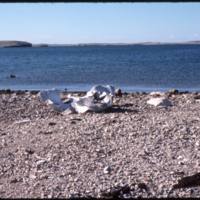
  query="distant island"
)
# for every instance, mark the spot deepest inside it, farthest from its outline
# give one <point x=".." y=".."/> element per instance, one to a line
<point x="13" y="43"/>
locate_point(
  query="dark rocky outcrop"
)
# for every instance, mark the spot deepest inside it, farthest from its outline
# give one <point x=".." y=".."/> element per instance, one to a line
<point x="12" y="76"/>
<point x="12" y="43"/>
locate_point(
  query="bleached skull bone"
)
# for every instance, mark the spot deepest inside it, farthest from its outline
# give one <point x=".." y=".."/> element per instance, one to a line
<point x="97" y="99"/>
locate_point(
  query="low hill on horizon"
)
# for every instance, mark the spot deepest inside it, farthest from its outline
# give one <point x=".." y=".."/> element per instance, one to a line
<point x="14" y="43"/>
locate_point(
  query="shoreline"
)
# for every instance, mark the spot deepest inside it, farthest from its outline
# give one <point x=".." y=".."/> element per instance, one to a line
<point x="9" y="91"/>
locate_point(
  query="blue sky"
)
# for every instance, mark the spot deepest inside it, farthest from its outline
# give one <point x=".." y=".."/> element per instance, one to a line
<point x="72" y="23"/>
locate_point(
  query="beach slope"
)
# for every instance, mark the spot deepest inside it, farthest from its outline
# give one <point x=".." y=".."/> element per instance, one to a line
<point x="131" y="150"/>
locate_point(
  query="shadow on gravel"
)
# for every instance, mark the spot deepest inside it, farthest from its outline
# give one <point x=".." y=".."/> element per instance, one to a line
<point x="126" y="190"/>
<point x="188" y="181"/>
<point x="119" y="109"/>
<point x="127" y="105"/>
<point x="116" y="192"/>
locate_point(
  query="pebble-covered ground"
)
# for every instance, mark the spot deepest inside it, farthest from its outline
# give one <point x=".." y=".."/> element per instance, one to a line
<point x="131" y="150"/>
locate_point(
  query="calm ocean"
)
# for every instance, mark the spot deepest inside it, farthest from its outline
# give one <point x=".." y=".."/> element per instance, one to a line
<point x="132" y="68"/>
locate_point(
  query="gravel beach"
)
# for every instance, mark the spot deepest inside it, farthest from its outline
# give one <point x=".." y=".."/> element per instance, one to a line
<point x="131" y="150"/>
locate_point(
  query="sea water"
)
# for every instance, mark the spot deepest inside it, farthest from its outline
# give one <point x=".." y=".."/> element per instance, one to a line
<point x="78" y="68"/>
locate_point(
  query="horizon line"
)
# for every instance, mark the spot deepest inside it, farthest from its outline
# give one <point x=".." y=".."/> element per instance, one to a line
<point x="119" y="43"/>
<point x="114" y="42"/>
<point x="105" y="43"/>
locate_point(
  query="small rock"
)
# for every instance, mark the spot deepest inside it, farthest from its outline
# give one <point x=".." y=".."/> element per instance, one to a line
<point x="8" y="91"/>
<point x="107" y="170"/>
<point x="76" y="119"/>
<point x="43" y="176"/>
<point x="34" y="92"/>
<point x="74" y="195"/>
<point x="180" y="157"/>
<point x="32" y="176"/>
<point x="173" y="91"/>
<point x="29" y="151"/>
<point x="197" y="97"/>
<point x="15" y="180"/>
<point x="40" y="162"/>
<point x="159" y="102"/>
<point x="52" y="123"/>
<point x="143" y="186"/>
<point x="118" y="92"/>
<point x="22" y="121"/>
<point x="46" y="132"/>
